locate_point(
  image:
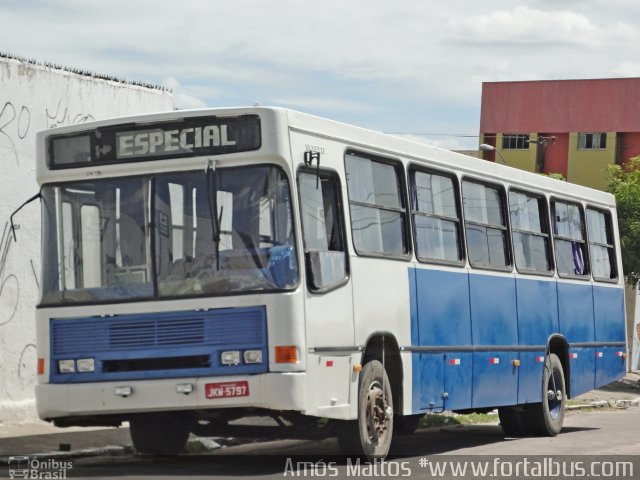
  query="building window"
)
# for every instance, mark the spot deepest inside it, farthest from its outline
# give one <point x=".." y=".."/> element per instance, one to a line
<point x="592" y="141"/>
<point x="378" y="211"/>
<point x="486" y="226"/>
<point x="515" y="141"/>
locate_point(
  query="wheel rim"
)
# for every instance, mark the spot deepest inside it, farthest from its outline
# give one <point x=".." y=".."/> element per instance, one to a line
<point x="377" y="419"/>
<point x="555" y="397"/>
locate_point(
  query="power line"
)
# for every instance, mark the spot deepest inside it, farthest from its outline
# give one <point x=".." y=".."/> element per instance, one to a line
<point x="463" y="135"/>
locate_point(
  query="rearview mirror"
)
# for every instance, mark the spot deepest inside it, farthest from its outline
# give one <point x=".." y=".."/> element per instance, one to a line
<point x="325" y="269"/>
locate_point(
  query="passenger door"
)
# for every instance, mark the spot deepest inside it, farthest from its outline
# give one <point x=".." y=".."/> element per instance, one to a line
<point x="328" y="303"/>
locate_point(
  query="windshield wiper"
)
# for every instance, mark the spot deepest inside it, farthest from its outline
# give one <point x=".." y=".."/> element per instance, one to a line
<point x="212" y="197"/>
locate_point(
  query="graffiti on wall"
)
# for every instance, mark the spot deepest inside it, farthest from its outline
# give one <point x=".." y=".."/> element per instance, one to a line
<point x="13" y="119"/>
<point x="16" y="134"/>
<point x="61" y="116"/>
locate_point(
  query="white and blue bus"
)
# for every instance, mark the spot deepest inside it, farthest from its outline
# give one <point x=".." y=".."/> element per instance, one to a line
<point x="201" y="266"/>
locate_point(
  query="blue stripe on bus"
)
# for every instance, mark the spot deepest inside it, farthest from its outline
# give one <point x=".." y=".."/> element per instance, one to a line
<point x="453" y="309"/>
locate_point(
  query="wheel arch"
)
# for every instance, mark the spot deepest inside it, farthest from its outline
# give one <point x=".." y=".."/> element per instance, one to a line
<point x="377" y="343"/>
<point x="558" y="345"/>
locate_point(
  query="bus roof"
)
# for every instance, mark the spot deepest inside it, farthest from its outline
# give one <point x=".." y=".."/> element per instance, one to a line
<point x="355" y="137"/>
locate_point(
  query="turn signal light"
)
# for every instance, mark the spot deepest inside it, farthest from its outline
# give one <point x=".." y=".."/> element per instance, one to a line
<point x="41" y="366"/>
<point x="286" y="354"/>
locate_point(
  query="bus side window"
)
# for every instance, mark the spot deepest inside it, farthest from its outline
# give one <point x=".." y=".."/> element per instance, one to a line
<point x="377" y="205"/>
<point x="530" y="232"/>
<point x="322" y="228"/>
<point x="569" y="240"/>
<point x="436" y="217"/>
<point x="601" y="248"/>
<point x="485" y="225"/>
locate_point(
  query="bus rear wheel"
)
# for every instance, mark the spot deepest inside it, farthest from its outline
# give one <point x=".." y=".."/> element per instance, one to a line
<point x="546" y="418"/>
<point x="370" y="435"/>
<point x="513" y="421"/>
<point x="160" y="433"/>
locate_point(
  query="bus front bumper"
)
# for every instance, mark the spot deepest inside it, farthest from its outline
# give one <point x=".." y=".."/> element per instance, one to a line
<point x="275" y="391"/>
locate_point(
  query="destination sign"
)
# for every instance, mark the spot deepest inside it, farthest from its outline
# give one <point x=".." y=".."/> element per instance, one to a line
<point x="162" y="140"/>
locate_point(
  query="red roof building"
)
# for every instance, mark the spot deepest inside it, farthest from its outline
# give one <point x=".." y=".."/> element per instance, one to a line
<point x="572" y="127"/>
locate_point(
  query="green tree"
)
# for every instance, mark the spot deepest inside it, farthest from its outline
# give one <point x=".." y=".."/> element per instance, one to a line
<point x="624" y="183"/>
<point x="557" y="176"/>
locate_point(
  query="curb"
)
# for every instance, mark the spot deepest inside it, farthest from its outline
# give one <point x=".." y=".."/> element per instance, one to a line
<point x="626" y="403"/>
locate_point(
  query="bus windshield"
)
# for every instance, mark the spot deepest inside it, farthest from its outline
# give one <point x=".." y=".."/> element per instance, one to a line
<point x="168" y="235"/>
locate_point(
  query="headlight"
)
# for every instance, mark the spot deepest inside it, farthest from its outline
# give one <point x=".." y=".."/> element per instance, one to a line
<point x="86" y="365"/>
<point x="66" y="366"/>
<point x="253" y="356"/>
<point x="231" y="357"/>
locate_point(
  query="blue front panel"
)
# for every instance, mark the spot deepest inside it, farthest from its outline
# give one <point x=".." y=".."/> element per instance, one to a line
<point x="494" y="383"/>
<point x="159" y="345"/>
<point x="582" y="361"/>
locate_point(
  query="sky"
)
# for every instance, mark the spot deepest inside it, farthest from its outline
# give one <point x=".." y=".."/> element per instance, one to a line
<point x="413" y="68"/>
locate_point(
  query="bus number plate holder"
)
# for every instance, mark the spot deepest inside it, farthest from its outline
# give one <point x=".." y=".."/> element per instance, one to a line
<point x="226" y="389"/>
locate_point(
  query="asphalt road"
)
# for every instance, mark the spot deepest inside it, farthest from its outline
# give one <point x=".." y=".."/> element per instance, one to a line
<point x="586" y="435"/>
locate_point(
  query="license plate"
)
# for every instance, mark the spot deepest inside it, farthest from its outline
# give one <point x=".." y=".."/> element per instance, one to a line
<point x="227" y="389"/>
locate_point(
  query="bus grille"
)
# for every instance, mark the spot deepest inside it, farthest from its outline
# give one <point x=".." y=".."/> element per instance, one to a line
<point x="160" y="345"/>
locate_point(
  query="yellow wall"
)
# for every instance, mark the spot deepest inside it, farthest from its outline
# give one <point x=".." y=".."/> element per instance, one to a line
<point x="587" y="167"/>
<point x="522" y="159"/>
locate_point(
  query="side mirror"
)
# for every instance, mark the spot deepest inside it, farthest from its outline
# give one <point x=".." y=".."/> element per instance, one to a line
<point x="14" y="227"/>
<point x="326" y="269"/>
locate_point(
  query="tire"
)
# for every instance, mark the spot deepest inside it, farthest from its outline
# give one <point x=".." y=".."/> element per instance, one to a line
<point x="406" y="424"/>
<point x="546" y="418"/>
<point x="160" y="433"/>
<point x="370" y="435"/>
<point x="513" y="421"/>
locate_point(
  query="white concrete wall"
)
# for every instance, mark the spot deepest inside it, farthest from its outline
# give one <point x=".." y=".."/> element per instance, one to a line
<point x="34" y="98"/>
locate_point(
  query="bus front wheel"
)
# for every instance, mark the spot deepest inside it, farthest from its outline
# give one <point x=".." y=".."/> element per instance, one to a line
<point x="546" y="418"/>
<point x="370" y="435"/>
<point x="160" y="433"/>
